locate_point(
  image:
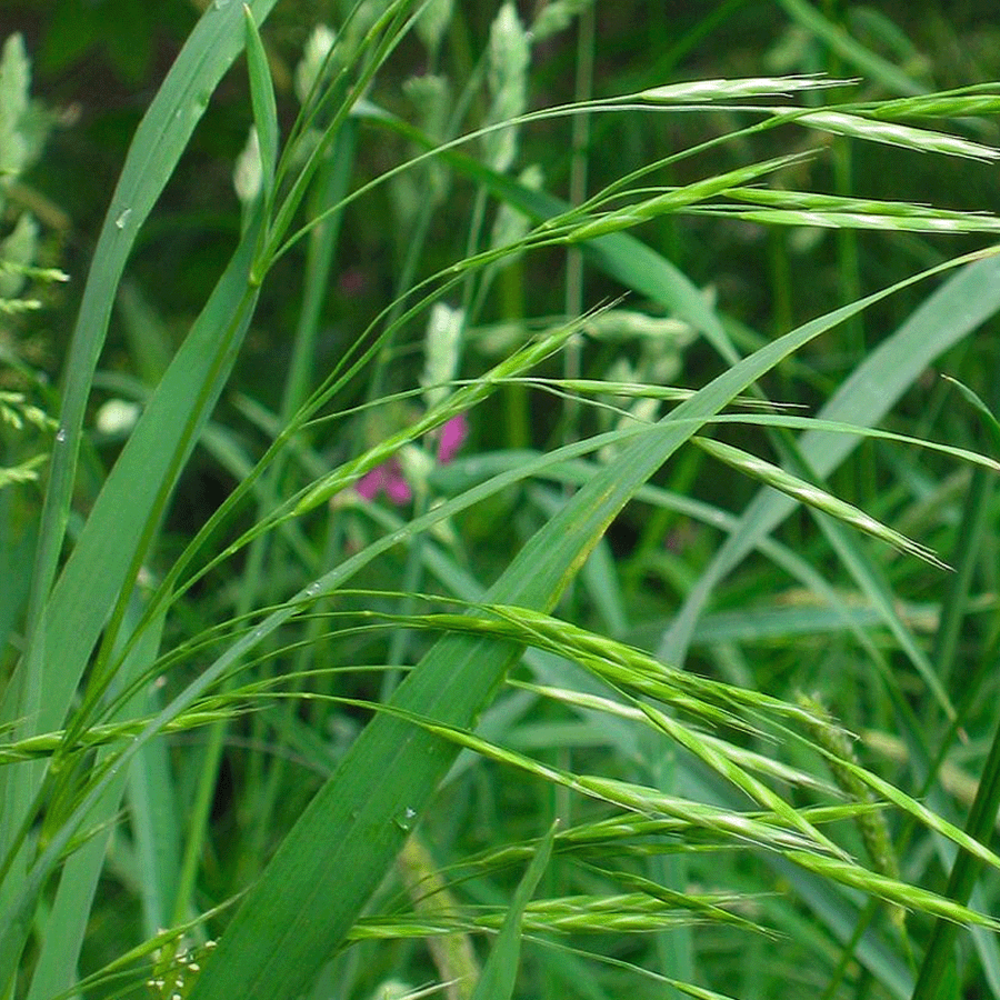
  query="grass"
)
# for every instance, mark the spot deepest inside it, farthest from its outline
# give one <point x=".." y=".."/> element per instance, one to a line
<point x="308" y="741"/>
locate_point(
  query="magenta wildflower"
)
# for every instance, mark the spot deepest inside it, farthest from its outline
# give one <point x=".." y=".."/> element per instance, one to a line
<point x="389" y="478"/>
<point x="452" y="437"/>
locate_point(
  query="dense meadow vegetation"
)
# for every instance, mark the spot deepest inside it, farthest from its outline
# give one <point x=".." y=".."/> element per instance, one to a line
<point x="499" y="500"/>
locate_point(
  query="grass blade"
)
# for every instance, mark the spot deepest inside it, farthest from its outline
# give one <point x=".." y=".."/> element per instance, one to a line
<point x="66" y="924"/>
<point x="963" y="876"/>
<point x="265" y="111"/>
<point x="500" y="971"/>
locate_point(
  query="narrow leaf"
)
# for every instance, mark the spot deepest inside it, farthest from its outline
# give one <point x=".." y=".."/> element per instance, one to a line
<point x="990" y="421"/>
<point x="265" y="111"/>
<point x="500" y="972"/>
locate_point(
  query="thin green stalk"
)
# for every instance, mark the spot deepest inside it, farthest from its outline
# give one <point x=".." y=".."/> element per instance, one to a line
<point x="416" y="244"/>
<point x="101" y="676"/>
<point x="859" y="478"/>
<point x="953" y="610"/>
<point x="579" y="161"/>
<point x="332" y="178"/>
<point x="415" y="247"/>
<point x="196" y="831"/>
<point x="964" y="873"/>
<point x="332" y="182"/>
<point x="412" y="585"/>
<point x="268" y="796"/>
<point x="955" y="606"/>
<point x="383" y="38"/>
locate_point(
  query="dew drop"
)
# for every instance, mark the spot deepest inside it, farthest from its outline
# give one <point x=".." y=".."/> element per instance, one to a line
<point x="405" y="820"/>
<point x="123" y="218"/>
<point x="61" y="435"/>
<point x="312" y="590"/>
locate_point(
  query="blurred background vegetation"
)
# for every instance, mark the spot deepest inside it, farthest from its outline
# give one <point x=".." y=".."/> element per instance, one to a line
<point x="96" y="65"/>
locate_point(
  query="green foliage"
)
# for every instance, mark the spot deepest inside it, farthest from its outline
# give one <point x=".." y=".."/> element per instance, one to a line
<point x="22" y="133"/>
<point x="392" y="619"/>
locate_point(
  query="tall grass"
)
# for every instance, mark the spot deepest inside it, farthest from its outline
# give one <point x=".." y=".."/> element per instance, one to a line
<point x="398" y="715"/>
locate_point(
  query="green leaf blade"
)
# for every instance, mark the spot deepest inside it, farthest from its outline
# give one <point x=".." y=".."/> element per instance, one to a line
<point x="500" y="972"/>
<point x="265" y="110"/>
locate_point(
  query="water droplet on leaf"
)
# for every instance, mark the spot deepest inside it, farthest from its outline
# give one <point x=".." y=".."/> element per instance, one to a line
<point x="405" y="820"/>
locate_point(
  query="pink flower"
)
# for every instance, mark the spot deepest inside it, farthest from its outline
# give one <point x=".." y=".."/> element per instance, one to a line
<point x="389" y="478"/>
<point x="452" y="437"/>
